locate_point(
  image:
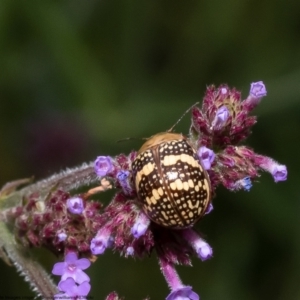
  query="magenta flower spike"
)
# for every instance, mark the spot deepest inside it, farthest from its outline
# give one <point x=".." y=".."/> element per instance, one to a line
<point x="75" y="205"/>
<point x="103" y="165"/>
<point x="207" y="157"/>
<point x="72" y="267"/>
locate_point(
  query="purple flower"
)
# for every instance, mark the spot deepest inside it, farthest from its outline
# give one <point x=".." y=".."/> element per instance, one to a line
<point x="103" y="165"/>
<point x="258" y="89"/>
<point x="75" y="205"/>
<point x="183" y="293"/>
<point x="72" y="267"/>
<point x="100" y="242"/>
<point x="130" y="251"/>
<point x="122" y="176"/>
<point x="140" y="226"/>
<point x="244" y="183"/>
<point x="202" y="248"/>
<point x="279" y="173"/>
<point x="207" y="157"/>
<point x="209" y="209"/>
<point x="221" y="117"/>
<point x="61" y="236"/>
<point x="72" y="290"/>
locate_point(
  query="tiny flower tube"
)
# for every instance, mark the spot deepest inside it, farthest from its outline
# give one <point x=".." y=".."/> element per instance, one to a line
<point x="75" y="205"/>
<point x="209" y="209"/>
<point x="140" y="226"/>
<point x="279" y="172"/>
<point x="101" y="242"/>
<point x="178" y="290"/>
<point x="122" y="177"/>
<point x="61" y="236"/>
<point x="103" y="165"/>
<point x="72" y="267"/>
<point x="207" y="156"/>
<point x="203" y="250"/>
<point x="221" y="118"/>
<point x="256" y="93"/>
<point x="130" y="251"/>
<point x="244" y="183"/>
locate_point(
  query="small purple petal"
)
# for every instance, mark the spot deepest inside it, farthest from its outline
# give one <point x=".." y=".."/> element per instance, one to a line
<point x="207" y="157"/>
<point x="66" y="285"/>
<point x="103" y="165"/>
<point x="130" y="251"/>
<point x="204" y="252"/>
<point x="279" y="173"/>
<point x="221" y="117"/>
<point x="209" y="209"/>
<point x="122" y="175"/>
<point x="75" y="205"/>
<point x="244" y="183"/>
<point x="71" y="257"/>
<point x="58" y="268"/>
<point x="139" y="229"/>
<point x="184" y="293"/>
<point x="100" y="242"/>
<point x="258" y="89"/>
<point x="73" y="290"/>
<point x="61" y="236"/>
<point x="224" y="91"/>
<point x="79" y="276"/>
<point x="83" y="263"/>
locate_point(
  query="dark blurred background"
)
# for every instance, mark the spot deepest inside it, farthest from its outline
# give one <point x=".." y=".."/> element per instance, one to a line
<point x="76" y="76"/>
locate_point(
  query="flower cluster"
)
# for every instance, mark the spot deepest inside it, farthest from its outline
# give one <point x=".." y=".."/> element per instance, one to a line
<point x="74" y="283"/>
<point x="61" y="223"/>
<point x="217" y="130"/>
<point x="76" y="226"/>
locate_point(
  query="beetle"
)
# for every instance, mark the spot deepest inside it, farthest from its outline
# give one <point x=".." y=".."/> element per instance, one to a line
<point x="171" y="183"/>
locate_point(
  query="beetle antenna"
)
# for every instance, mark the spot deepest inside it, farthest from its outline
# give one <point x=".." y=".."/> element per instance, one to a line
<point x="171" y="129"/>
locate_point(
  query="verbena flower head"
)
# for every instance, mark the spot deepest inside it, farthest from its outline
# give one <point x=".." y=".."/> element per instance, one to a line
<point x="77" y="226"/>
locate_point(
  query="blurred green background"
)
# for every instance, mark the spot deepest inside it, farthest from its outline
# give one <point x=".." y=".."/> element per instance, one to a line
<point x="76" y="76"/>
